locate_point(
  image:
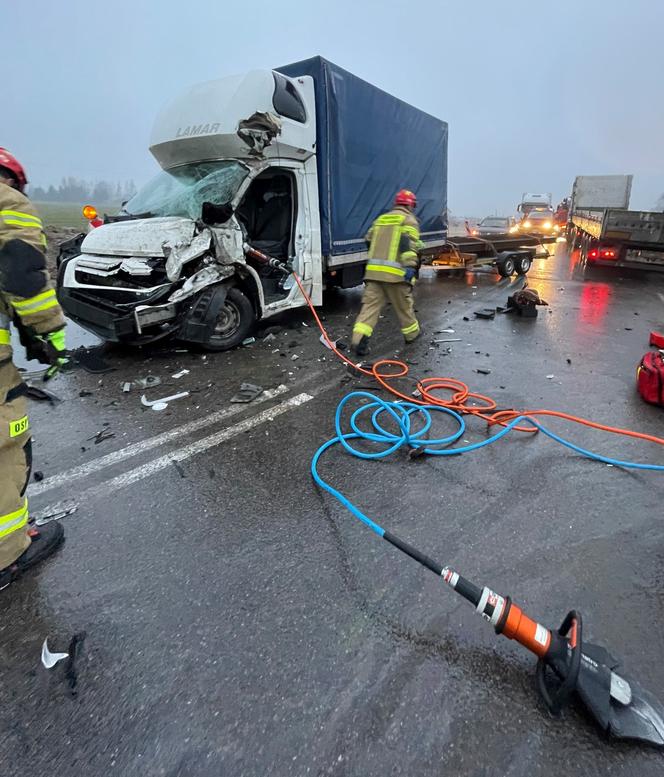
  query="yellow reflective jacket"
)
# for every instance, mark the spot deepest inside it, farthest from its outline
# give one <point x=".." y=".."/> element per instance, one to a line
<point x="26" y="292"/>
<point x="394" y="242"/>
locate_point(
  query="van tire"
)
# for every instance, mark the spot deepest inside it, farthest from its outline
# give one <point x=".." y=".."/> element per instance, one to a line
<point x="234" y="322"/>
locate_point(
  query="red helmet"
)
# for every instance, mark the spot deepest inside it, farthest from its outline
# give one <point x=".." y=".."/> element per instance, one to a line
<point x="12" y="164"/>
<point x="405" y="197"/>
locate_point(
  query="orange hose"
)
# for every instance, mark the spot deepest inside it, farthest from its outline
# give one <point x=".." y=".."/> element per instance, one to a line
<point x="461" y="395"/>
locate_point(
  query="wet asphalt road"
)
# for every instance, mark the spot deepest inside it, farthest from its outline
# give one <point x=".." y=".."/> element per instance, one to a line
<point x="239" y="622"/>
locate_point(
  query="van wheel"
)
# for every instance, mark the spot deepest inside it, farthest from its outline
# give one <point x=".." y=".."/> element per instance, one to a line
<point x="506" y="267"/>
<point x="523" y="265"/>
<point x="234" y="322"/>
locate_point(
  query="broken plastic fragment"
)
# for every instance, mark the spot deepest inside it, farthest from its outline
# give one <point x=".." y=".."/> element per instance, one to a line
<point x="180" y="374"/>
<point x="159" y="406"/>
<point x="51" y="659"/>
<point x="151" y="402"/>
<point x="328" y="343"/>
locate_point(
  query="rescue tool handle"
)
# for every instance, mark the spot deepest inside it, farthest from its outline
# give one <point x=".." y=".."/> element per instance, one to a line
<point x="557" y="656"/>
<point x="270" y="261"/>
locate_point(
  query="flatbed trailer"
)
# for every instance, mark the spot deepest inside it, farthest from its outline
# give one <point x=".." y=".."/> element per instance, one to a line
<point x="509" y="254"/>
<point x="618" y="238"/>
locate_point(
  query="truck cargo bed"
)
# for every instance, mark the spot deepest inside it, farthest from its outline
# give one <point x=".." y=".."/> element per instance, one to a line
<point x="630" y="228"/>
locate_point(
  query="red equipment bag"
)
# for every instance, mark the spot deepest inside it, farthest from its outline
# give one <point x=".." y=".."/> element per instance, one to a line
<point x="650" y="378"/>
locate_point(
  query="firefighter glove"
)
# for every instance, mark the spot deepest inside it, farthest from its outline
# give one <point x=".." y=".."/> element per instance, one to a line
<point x="55" y="351"/>
<point x="410" y="274"/>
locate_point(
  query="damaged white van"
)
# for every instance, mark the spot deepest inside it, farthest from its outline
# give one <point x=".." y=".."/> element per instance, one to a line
<point x="294" y="162"/>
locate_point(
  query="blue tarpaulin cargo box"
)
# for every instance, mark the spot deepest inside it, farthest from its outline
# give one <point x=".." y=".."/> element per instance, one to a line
<point x="369" y="145"/>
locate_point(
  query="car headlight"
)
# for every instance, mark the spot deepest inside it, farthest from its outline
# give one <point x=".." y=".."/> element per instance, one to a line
<point x="547" y="225"/>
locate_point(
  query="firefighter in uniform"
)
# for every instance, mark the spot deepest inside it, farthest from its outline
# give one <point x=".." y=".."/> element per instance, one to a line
<point x="392" y="266"/>
<point x="28" y="299"/>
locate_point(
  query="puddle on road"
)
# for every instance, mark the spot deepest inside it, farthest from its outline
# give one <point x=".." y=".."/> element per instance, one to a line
<point x="76" y="337"/>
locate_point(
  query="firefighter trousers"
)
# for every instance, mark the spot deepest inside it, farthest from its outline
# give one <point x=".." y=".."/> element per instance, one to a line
<point x="376" y="294"/>
<point x="15" y="465"/>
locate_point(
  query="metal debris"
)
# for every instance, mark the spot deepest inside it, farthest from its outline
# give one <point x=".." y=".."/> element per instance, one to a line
<point x="248" y="340"/>
<point x="55" y="512"/>
<point x="126" y="387"/>
<point x="102" y="434"/>
<point x="149" y="381"/>
<point x="180" y="374"/>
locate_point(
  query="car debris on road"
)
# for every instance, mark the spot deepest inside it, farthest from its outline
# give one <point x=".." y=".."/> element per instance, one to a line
<point x="247" y="393"/>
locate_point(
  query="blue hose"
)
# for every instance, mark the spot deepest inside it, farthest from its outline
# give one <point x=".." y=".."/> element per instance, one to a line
<point x="407" y="415"/>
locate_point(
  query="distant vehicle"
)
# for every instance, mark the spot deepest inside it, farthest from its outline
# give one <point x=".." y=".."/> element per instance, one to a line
<point x="539" y="221"/>
<point x="494" y="225"/>
<point x="606" y="232"/>
<point x="531" y="200"/>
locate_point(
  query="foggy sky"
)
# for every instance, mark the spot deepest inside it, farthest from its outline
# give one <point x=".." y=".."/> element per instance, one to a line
<point x="535" y="92"/>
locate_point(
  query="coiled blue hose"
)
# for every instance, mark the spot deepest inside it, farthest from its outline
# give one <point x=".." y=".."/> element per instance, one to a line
<point x="406" y="415"/>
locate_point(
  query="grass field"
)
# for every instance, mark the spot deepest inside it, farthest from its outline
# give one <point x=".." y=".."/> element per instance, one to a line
<point x="67" y="214"/>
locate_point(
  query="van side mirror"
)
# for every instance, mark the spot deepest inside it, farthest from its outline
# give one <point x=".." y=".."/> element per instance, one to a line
<point x="215" y="214"/>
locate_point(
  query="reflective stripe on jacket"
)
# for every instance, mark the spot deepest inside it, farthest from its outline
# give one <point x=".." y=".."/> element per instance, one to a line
<point x="25" y="287"/>
<point x="14" y="521"/>
<point x="394" y="240"/>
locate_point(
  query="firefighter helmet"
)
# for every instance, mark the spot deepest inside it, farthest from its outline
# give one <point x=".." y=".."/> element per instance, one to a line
<point x="405" y="197"/>
<point x="11" y="163"/>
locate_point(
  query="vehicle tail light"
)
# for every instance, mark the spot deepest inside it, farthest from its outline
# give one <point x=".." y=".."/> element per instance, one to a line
<point x="602" y="253"/>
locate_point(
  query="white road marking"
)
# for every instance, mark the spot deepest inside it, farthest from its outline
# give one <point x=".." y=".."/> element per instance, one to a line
<point x="187" y="451"/>
<point x="179" y="432"/>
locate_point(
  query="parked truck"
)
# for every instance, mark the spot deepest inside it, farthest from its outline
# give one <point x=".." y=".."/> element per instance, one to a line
<point x="606" y="232"/>
<point x="294" y="162"/>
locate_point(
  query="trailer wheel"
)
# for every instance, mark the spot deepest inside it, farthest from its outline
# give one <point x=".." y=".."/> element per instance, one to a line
<point x="523" y="265"/>
<point x="506" y="268"/>
<point x="234" y="321"/>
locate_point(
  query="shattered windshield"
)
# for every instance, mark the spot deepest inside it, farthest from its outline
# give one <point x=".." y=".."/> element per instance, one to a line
<point x="183" y="190"/>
